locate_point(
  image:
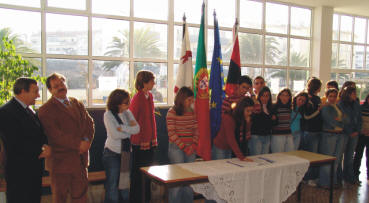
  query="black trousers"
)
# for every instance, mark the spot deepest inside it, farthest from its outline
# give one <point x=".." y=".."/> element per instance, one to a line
<point x="23" y="187"/>
<point x="361" y="144"/>
<point x="140" y="158"/>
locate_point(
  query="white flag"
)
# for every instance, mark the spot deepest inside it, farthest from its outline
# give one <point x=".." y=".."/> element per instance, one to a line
<point x="185" y="70"/>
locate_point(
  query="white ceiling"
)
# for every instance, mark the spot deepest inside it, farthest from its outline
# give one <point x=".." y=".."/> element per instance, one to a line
<point x="353" y="7"/>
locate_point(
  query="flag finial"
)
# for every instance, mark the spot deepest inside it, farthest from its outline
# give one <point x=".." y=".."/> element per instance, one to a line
<point x="214" y="13"/>
<point x="184" y="17"/>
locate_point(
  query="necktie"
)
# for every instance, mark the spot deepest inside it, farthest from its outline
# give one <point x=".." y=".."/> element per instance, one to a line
<point x="33" y="116"/>
<point x="66" y="102"/>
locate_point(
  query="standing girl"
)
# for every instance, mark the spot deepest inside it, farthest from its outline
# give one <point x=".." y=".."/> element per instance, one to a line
<point x="183" y="138"/>
<point x="119" y="124"/>
<point x="144" y="142"/>
<point x="282" y="140"/>
<point x="299" y="104"/>
<point x="262" y="123"/>
<point x="234" y="131"/>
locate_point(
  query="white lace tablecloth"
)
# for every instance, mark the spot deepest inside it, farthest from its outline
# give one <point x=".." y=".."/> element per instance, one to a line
<point x="271" y="178"/>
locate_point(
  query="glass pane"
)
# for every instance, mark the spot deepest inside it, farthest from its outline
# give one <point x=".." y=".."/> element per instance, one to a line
<point x="251" y="14"/>
<point x="150" y="40"/>
<point x="275" y="50"/>
<point x="193" y="34"/>
<point x="334" y="56"/>
<point x="367" y="58"/>
<point x="160" y="90"/>
<point x="24" y="29"/>
<point x="73" y="4"/>
<point x="300" y="52"/>
<point x="226" y="42"/>
<point x="251" y="47"/>
<point x="76" y="74"/>
<point x="276" y="18"/>
<point x="358" y="57"/>
<point x="297" y="80"/>
<point x="300" y="21"/>
<point x="37" y="62"/>
<point x="225" y="10"/>
<point x="157" y="9"/>
<point x="362" y="84"/>
<point x="192" y="8"/>
<point x="344" y="56"/>
<point x="340" y="78"/>
<point x="111" y="7"/>
<point x="359" y="32"/>
<point x="110" y="37"/>
<point x="105" y="79"/>
<point x="276" y="80"/>
<point x="346" y="28"/>
<point x="251" y="72"/>
<point x="335" y="27"/>
<point x="367" y="37"/>
<point x="66" y="34"/>
<point x="31" y="3"/>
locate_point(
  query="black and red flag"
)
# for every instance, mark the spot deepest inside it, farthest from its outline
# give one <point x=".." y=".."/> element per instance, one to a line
<point x="234" y="72"/>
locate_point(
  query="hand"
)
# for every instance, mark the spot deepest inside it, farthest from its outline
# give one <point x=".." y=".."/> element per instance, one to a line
<point x="354" y="134"/>
<point x="132" y="123"/>
<point x="247" y="159"/>
<point x="189" y="150"/>
<point x="84" y="146"/>
<point x="46" y="152"/>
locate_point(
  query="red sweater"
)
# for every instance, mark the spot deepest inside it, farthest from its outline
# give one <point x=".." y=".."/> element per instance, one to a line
<point x="226" y="139"/>
<point x="143" y="110"/>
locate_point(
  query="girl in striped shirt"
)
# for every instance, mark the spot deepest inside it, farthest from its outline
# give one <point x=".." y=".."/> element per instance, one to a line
<point x="183" y="138"/>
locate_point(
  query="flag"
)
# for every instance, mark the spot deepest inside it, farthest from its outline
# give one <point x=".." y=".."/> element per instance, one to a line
<point x="201" y="90"/>
<point x="216" y="83"/>
<point x="185" y="71"/>
<point x="234" y="72"/>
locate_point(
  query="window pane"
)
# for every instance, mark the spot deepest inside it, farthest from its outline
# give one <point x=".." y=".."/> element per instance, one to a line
<point x="251" y="14"/>
<point x="251" y="72"/>
<point x="73" y="4"/>
<point x="359" y="32"/>
<point x="367" y="37"/>
<point x="76" y="74"/>
<point x="358" y="57"/>
<point x="192" y="8"/>
<point x="24" y="29"/>
<point x="297" y="80"/>
<point x="335" y="27"/>
<point x="66" y="34"/>
<point x="276" y="80"/>
<point x="31" y="3"/>
<point x="110" y="37"/>
<point x="193" y="33"/>
<point x="367" y="57"/>
<point x="111" y="7"/>
<point x="37" y="62"/>
<point x="225" y="42"/>
<point x="225" y="12"/>
<point x="157" y="9"/>
<point x="251" y="47"/>
<point x="334" y="56"/>
<point x="300" y="52"/>
<point x="275" y="50"/>
<point x="150" y="40"/>
<point x="345" y="56"/>
<point x="160" y="89"/>
<point x="362" y="84"/>
<point x="340" y="78"/>
<point x="276" y="18"/>
<point x="346" y="28"/>
<point x="300" y="21"/>
<point x="107" y="76"/>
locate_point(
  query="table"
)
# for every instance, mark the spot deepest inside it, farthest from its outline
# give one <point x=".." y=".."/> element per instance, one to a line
<point x="173" y="175"/>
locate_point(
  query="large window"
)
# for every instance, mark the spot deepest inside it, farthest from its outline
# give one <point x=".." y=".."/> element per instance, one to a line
<point x="100" y="45"/>
<point x="350" y="51"/>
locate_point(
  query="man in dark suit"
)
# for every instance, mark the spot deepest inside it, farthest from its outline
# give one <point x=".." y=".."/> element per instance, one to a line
<point x="25" y="144"/>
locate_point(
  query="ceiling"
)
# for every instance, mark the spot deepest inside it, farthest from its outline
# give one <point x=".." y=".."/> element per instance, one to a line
<point x="353" y="7"/>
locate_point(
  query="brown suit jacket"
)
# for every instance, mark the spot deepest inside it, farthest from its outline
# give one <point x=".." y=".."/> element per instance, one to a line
<point x="65" y="128"/>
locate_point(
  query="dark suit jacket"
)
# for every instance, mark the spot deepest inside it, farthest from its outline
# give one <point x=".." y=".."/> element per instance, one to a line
<point x="65" y="129"/>
<point x="23" y="138"/>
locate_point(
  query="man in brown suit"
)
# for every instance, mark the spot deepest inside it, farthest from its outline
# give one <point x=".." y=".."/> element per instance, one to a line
<point x="69" y="129"/>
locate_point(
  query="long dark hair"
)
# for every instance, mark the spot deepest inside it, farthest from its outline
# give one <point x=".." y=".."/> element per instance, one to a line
<point x="238" y="116"/>
<point x="345" y="95"/>
<point x="115" y="99"/>
<point x="346" y="84"/>
<point x="279" y="102"/>
<point x="181" y="96"/>
<point x="300" y="94"/>
<point x="366" y="100"/>
<point x="269" y="104"/>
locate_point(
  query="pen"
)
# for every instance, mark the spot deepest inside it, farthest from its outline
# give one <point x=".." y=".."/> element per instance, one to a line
<point x="234" y="164"/>
<point x="265" y="159"/>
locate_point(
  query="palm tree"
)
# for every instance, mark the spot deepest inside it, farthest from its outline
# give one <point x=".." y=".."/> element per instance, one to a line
<point x="20" y="45"/>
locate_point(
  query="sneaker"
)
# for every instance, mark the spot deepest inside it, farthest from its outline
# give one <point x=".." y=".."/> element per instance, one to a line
<point x="312" y="183"/>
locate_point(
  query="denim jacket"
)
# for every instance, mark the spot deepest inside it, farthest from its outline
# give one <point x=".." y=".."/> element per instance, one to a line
<point x="352" y="117"/>
<point x="332" y="118"/>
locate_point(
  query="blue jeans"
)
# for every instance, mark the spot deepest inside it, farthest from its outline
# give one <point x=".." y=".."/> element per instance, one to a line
<point x="259" y="144"/>
<point x="111" y="161"/>
<point x="220" y="153"/>
<point x="330" y="144"/>
<point x="281" y="143"/>
<point x="180" y="194"/>
<point x="297" y="135"/>
<point x="348" y="160"/>
<point x="311" y="144"/>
